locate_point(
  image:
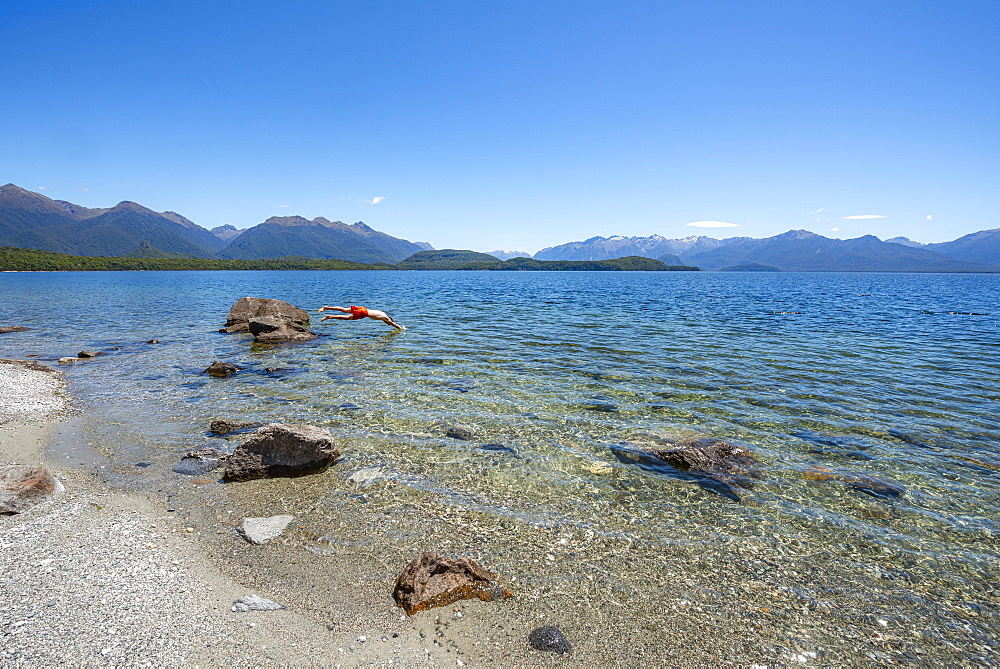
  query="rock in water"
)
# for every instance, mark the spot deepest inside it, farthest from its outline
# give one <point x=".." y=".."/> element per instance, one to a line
<point x="713" y="464"/>
<point x="247" y="308"/>
<point x="88" y="354"/>
<point x="223" y="427"/>
<point x="255" y="603"/>
<point x="431" y="580"/>
<point x="273" y="329"/>
<point x="261" y="530"/>
<point x="281" y="450"/>
<point x="460" y="432"/>
<point x="549" y="639"/>
<point x="221" y="370"/>
<point x="24" y="486"/>
<point x="13" y="328"/>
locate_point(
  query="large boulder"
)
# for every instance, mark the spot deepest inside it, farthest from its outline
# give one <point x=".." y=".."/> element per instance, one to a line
<point x="431" y="580"/>
<point x="24" y="486"/>
<point x="272" y="328"/>
<point x="279" y="449"/>
<point x="247" y="308"/>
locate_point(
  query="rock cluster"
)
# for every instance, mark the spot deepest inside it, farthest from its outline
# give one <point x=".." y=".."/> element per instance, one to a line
<point x="280" y="449"/>
<point x="431" y="580"/>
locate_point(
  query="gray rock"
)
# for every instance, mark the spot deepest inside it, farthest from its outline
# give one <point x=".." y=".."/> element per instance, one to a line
<point x="201" y="461"/>
<point x="88" y="354"/>
<point x="255" y="603"/>
<point x="222" y="369"/>
<point x="261" y="530"/>
<point x="366" y="477"/>
<point x="274" y="329"/>
<point x="67" y="359"/>
<point x="24" y="486"/>
<point x="281" y="450"/>
<point x="222" y="427"/>
<point x="549" y="639"/>
<point x="247" y="308"/>
<point x="460" y="432"/>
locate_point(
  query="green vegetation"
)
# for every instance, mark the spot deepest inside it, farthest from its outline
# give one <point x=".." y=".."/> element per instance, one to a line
<point x="445" y="259"/>
<point x="29" y="260"/>
<point x="629" y="264"/>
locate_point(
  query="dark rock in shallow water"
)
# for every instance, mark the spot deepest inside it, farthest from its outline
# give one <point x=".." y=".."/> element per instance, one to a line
<point x="201" y="461"/>
<point x="902" y="436"/>
<point x="348" y="406"/>
<point x="222" y="369"/>
<point x="431" y="580"/>
<point x="281" y="450"/>
<point x="88" y="354"/>
<point x="713" y="464"/>
<point x="460" y="432"/>
<point x="549" y="639"/>
<point x="153" y="341"/>
<point x="223" y="427"/>
<point x="876" y="487"/>
<point x="601" y="406"/>
<point x="24" y="486"/>
<point x="13" y="328"/>
<point x="247" y="308"/>
<point x="501" y="449"/>
<point x="273" y="329"/>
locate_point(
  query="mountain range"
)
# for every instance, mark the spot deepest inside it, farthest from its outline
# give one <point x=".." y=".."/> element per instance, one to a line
<point x="33" y="221"/>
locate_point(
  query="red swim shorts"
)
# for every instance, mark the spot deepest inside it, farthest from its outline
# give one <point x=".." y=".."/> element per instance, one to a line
<point x="358" y="312"/>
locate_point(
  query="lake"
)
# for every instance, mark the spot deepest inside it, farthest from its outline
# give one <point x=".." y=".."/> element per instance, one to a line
<point x="870" y="401"/>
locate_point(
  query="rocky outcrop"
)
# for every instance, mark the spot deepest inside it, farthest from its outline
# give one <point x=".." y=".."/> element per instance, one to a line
<point x="273" y="329"/>
<point x="431" y="580"/>
<point x="246" y="309"/>
<point x="24" y="486"/>
<point x="222" y="370"/>
<point x="261" y="530"/>
<point x="714" y="464"/>
<point x="281" y="450"/>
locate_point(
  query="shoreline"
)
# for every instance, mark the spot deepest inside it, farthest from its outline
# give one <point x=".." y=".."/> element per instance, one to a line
<point x="102" y="576"/>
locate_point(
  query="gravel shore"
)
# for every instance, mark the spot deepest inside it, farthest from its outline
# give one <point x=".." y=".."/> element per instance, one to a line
<point x="98" y="576"/>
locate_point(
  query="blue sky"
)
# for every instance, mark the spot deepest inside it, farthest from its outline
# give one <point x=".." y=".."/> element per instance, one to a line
<point x="514" y="125"/>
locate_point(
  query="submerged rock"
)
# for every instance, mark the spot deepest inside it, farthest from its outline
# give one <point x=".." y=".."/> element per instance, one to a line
<point x="25" y="486"/>
<point x="281" y="450"/>
<point x="549" y="639"/>
<point x="261" y="530"/>
<point x="223" y="426"/>
<point x="876" y="487"/>
<point x="460" y="432"/>
<point x="222" y="370"/>
<point x="201" y="461"/>
<point x="713" y="464"/>
<point x="431" y="580"/>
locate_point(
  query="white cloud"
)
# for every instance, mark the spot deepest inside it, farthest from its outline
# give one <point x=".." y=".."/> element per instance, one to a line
<point x="862" y="217"/>
<point x="42" y="188"/>
<point x="713" y="224"/>
<point x="83" y="190"/>
<point x="377" y="199"/>
<point x="834" y="229"/>
<point x="929" y="217"/>
<point x="283" y="206"/>
<point x="817" y="211"/>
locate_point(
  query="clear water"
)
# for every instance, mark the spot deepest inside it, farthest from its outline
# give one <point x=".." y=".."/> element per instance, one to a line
<point x="826" y="377"/>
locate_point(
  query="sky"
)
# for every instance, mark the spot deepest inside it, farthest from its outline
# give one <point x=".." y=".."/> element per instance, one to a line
<point x="514" y="125"/>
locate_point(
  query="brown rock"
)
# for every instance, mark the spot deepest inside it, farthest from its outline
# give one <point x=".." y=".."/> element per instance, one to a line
<point x="281" y="450"/>
<point x="431" y="580"/>
<point x="88" y="354"/>
<point x="223" y="426"/>
<point x="13" y="328"/>
<point x="247" y="308"/>
<point x="271" y="328"/>
<point x="222" y="369"/>
<point x="24" y="486"/>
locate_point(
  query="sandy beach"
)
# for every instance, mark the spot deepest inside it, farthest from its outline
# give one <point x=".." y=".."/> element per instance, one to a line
<point x="101" y="576"/>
